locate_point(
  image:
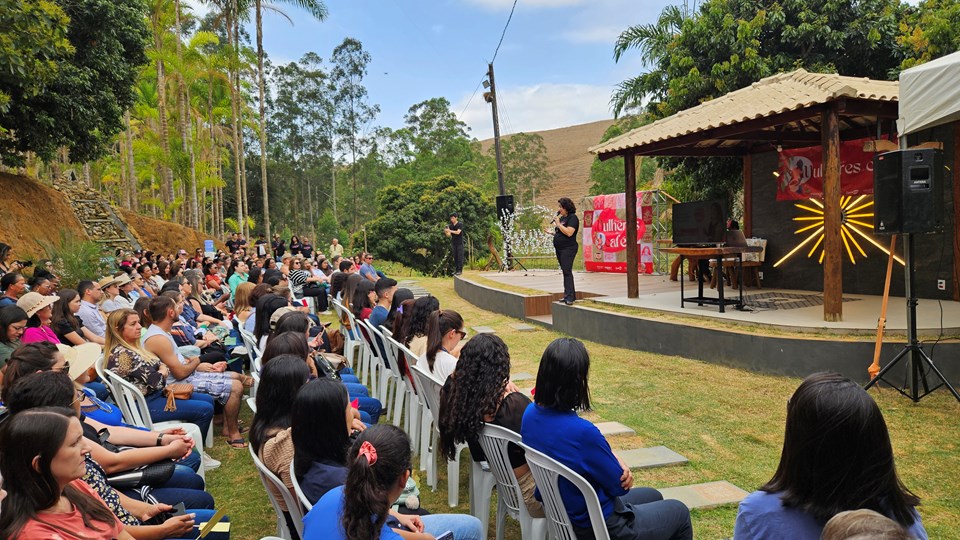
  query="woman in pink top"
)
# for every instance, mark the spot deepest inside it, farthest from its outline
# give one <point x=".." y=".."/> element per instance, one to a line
<point x="42" y="461"/>
<point x="40" y="314"/>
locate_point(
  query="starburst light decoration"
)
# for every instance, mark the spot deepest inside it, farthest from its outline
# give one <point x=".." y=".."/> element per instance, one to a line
<point x="855" y="217"/>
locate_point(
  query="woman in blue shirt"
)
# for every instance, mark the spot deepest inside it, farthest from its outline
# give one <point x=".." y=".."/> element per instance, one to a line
<point x="551" y="425"/>
<point x="836" y="457"/>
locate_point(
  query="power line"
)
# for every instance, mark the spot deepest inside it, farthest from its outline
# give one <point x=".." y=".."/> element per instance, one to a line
<point x="469" y="101"/>
<point x="504" y="31"/>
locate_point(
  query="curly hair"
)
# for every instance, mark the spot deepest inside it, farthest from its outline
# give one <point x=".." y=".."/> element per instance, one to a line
<point x="473" y="391"/>
<point x="415" y="324"/>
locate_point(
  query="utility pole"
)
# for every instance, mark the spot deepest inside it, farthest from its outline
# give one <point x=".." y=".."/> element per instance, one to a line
<point x="491" y="98"/>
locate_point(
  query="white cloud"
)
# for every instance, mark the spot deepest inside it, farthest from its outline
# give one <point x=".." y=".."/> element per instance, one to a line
<point x="199" y="9"/>
<point x="535" y="108"/>
<point x="498" y="5"/>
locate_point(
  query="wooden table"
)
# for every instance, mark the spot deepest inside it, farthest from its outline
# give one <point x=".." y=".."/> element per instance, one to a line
<point x="717" y="253"/>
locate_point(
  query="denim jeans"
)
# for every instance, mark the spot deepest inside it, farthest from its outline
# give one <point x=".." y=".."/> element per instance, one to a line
<point x="463" y="526"/>
<point x="369" y="405"/>
<point x="191" y="498"/>
<point x="642" y="513"/>
<point x="196" y="410"/>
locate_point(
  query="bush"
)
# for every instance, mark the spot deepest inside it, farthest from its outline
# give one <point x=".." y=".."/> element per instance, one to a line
<point x="412" y="216"/>
<point x="75" y="259"/>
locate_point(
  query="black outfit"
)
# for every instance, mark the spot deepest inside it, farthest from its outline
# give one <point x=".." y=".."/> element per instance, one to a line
<point x="279" y="248"/>
<point x="232" y="246"/>
<point x="295" y="248"/>
<point x="566" y="248"/>
<point x="306" y="250"/>
<point x="456" y="245"/>
<point x="510" y="416"/>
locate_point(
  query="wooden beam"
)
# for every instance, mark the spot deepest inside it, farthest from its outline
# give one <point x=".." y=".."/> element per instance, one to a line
<point x="867" y="107"/>
<point x="630" y="176"/>
<point x="705" y="151"/>
<point x="833" y="244"/>
<point x="747" y="224"/>
<point x="955" y="180"/>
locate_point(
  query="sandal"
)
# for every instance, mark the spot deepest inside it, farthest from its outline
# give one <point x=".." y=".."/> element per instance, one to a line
<point x="247" y="381"/>
<point x="239" y="444"/>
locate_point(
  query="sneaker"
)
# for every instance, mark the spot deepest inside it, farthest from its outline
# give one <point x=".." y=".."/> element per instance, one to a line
<point x="209" y="463"/>
<point x="568" y="302"/>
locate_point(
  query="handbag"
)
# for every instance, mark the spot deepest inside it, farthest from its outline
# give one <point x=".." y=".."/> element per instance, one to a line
<point x="153" y="474"/>
<point x="174" y="392"/>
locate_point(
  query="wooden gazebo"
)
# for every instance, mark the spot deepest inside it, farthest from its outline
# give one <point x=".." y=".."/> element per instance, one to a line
<point x="787" y="110"/>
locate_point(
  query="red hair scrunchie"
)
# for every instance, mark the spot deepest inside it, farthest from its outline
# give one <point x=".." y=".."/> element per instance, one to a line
<point x="367" y="450"/>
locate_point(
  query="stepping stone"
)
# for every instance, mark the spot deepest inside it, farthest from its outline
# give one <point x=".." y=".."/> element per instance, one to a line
<point x="483" y="330"/>
<point x="614" y="428"/>
<point x="706" y="495"/>
<point x="646" y="458"/>
<point x="521" y="327"/>
<point x="522" y="376"/>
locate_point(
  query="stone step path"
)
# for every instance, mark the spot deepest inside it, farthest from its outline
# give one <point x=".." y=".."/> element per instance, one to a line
<point x="648" y="458"/>
<point x="99" y="219"/>
<point x="483" y="330"/>
<point x="417" y="290"/>
<point x="707" y="495"/>
<point x="614" y="428"/>
<point x="522" y="327"/>
<point x="522" y="376"/>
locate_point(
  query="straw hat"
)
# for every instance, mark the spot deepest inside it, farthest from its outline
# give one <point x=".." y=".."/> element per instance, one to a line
<point x="106" y="282"/>
<point x="122" y="280"/>
<point x="32" y="302"/>
<point x="81" y="358"/>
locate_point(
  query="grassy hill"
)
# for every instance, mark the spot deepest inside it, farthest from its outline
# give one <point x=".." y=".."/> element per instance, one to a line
<point x="569" y="160"/>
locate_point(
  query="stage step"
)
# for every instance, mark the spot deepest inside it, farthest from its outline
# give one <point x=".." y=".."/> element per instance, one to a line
<point x="648" y="458"/>
<point x="522" y="376"/>
<point x="614" y="428"/>
<point x="545" y="320"/>
<point x="483" y="330"/>
<point x="708" y="495"/>
<point x="521" y="327"/>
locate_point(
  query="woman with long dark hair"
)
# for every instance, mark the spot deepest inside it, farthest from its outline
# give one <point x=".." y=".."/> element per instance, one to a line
<point x="413" y="332"/>
<point x="630" y="513"/>
<point x="363" y="484"/>
<point x="836" y="456"/>
<point x="13" y="322"/>
<point x="480" y="392"/>
<point x="444" y="334"/>
<point x="363" y="300"/>
<point x="65" y="323"/>
<point x="42" y="463"/>
<point x="566" y="224"/>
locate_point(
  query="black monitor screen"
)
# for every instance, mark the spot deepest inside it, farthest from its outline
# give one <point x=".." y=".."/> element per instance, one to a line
<point x="699" y="223"/>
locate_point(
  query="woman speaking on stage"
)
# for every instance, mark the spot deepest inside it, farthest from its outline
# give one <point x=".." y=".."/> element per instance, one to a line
<point x="566" y="224"/>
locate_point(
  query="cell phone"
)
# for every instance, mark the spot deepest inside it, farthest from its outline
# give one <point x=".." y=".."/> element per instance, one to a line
<point x="446" y="536"/>
<point x="178" y="510"/>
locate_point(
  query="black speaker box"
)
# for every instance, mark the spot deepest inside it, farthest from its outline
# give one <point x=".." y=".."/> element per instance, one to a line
<point x="504" y="205"/>
<point x="908" y="191"/>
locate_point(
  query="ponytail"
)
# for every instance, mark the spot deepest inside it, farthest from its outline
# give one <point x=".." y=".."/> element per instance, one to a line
<point x="439" y="323"/>
<point x="377" y="461"/>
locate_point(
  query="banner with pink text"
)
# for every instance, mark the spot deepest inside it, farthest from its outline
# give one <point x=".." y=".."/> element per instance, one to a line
<point x="604" y="233"/>
<point x="800" y="171"/>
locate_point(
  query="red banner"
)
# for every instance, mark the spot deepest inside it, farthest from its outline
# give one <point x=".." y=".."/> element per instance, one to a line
<point x="800" y="174"/>
<point x="604" y="233"/>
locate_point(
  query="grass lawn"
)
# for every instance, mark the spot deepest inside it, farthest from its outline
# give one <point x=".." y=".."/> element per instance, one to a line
<point x="727" y="422"/>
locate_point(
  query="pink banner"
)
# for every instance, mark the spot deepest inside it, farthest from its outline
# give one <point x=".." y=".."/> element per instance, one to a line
<point x="800" y="174"/>
<point x="604" y="233"/>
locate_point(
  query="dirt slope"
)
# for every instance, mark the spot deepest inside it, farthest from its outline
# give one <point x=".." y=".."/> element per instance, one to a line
<point x="32" y="214"/>
<point x="163" y="236"/>
<point x="569" y="160"/>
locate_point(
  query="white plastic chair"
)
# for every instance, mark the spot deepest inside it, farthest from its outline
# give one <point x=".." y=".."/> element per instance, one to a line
<point x="391" y="373"/>
<point x="481" y="481"/>
<point x="494" y="440"/>
<point x="379" y="373"/>
<point x="547" y="473"/>
<point x="305" y="503"/>
<point x="351" y="345"/>
<point x="136" y="413"/>
<point x="293" y="506"/>
<point x="412" y="414"/>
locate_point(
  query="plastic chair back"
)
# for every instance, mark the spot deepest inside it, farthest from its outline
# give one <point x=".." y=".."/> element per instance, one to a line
<point x="293" y="506"/>
<point x="494" y="441"/>
<point x="304" y="501"/>
<point x="547" y="473"/>
<point x="132" y="403"/>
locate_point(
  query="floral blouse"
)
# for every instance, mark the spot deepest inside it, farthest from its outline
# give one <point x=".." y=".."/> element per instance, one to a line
<point x="96" y="478"/>
<point x="143" y="372"/>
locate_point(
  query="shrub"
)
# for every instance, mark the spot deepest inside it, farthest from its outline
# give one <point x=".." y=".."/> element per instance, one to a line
<point x="75" y="259"/>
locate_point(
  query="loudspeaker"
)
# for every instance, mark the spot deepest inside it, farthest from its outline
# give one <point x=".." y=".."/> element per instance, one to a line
<point x="908" y="191"/>
<point x="504" y="205"/>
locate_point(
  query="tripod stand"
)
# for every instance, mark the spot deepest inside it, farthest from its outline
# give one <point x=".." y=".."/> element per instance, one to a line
<point x="913" y="350"/>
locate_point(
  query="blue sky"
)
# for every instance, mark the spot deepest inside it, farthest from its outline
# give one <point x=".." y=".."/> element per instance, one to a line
<point x="554" y="69"/>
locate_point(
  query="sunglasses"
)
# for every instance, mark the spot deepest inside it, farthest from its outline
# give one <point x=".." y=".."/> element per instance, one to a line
<point x="463" y="335"/>
<point x="79" y="398"/>
<point x="66" y="367"/>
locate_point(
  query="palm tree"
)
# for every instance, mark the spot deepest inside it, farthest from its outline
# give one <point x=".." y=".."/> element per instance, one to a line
<point x="653" y="41"/>
<point x="319" y="11"/>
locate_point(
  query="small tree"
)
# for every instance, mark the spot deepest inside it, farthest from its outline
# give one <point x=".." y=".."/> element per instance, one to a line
<point x="75" y="259"/>
<point x="412" y="216"/>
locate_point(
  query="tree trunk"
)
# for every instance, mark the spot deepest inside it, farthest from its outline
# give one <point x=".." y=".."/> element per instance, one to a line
<point x="235" y="107"/>
<point x="263" y="123"/>
<point x="166" y="173"/>
<point x="129" y="163"/>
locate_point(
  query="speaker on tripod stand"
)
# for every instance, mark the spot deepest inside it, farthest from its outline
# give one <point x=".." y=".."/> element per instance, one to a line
<point x="908" y="200"/>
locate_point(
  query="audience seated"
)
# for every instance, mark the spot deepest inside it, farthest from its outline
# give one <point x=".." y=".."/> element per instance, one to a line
<point x="40" y="311"/>
<point x="385" y="290"/>
<point x="90" y="314"/>
<point x="444" y="334"/>
<point x="13" y="284"/>
<point x="113" y="298"/>
<point x="13" y="322"/>
<point x="630" y="513"/>
<point x="480" y="391"/>
<point x="363" y="299"/>
<point x="863" y="525"/>
<point x="401" y="295"/>
<point x="377" y="465"/>
<point x="836" y="456"/>
<point x="68" y="327"/>
<point x="413" y="331"/>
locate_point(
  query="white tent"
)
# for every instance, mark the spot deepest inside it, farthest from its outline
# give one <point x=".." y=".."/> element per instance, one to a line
<point x="930" y="94"/>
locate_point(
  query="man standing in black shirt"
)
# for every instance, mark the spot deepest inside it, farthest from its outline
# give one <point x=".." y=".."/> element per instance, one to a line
<point x="566" y="224"/>
<point x="232" y="244"/>
<point x="455" y="232"/>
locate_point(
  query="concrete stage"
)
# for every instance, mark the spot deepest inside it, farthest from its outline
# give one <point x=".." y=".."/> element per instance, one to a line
<point x="793" y="309"/>
<point x="783" y="332"/>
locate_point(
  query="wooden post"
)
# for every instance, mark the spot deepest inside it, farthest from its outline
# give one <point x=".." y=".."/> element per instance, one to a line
<point x="874" y="368"/>
<point x="747" y="225"/>
<point x="833" y="244"/>
<point x="955" y="180"/>
<point x="630" y="176"/>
